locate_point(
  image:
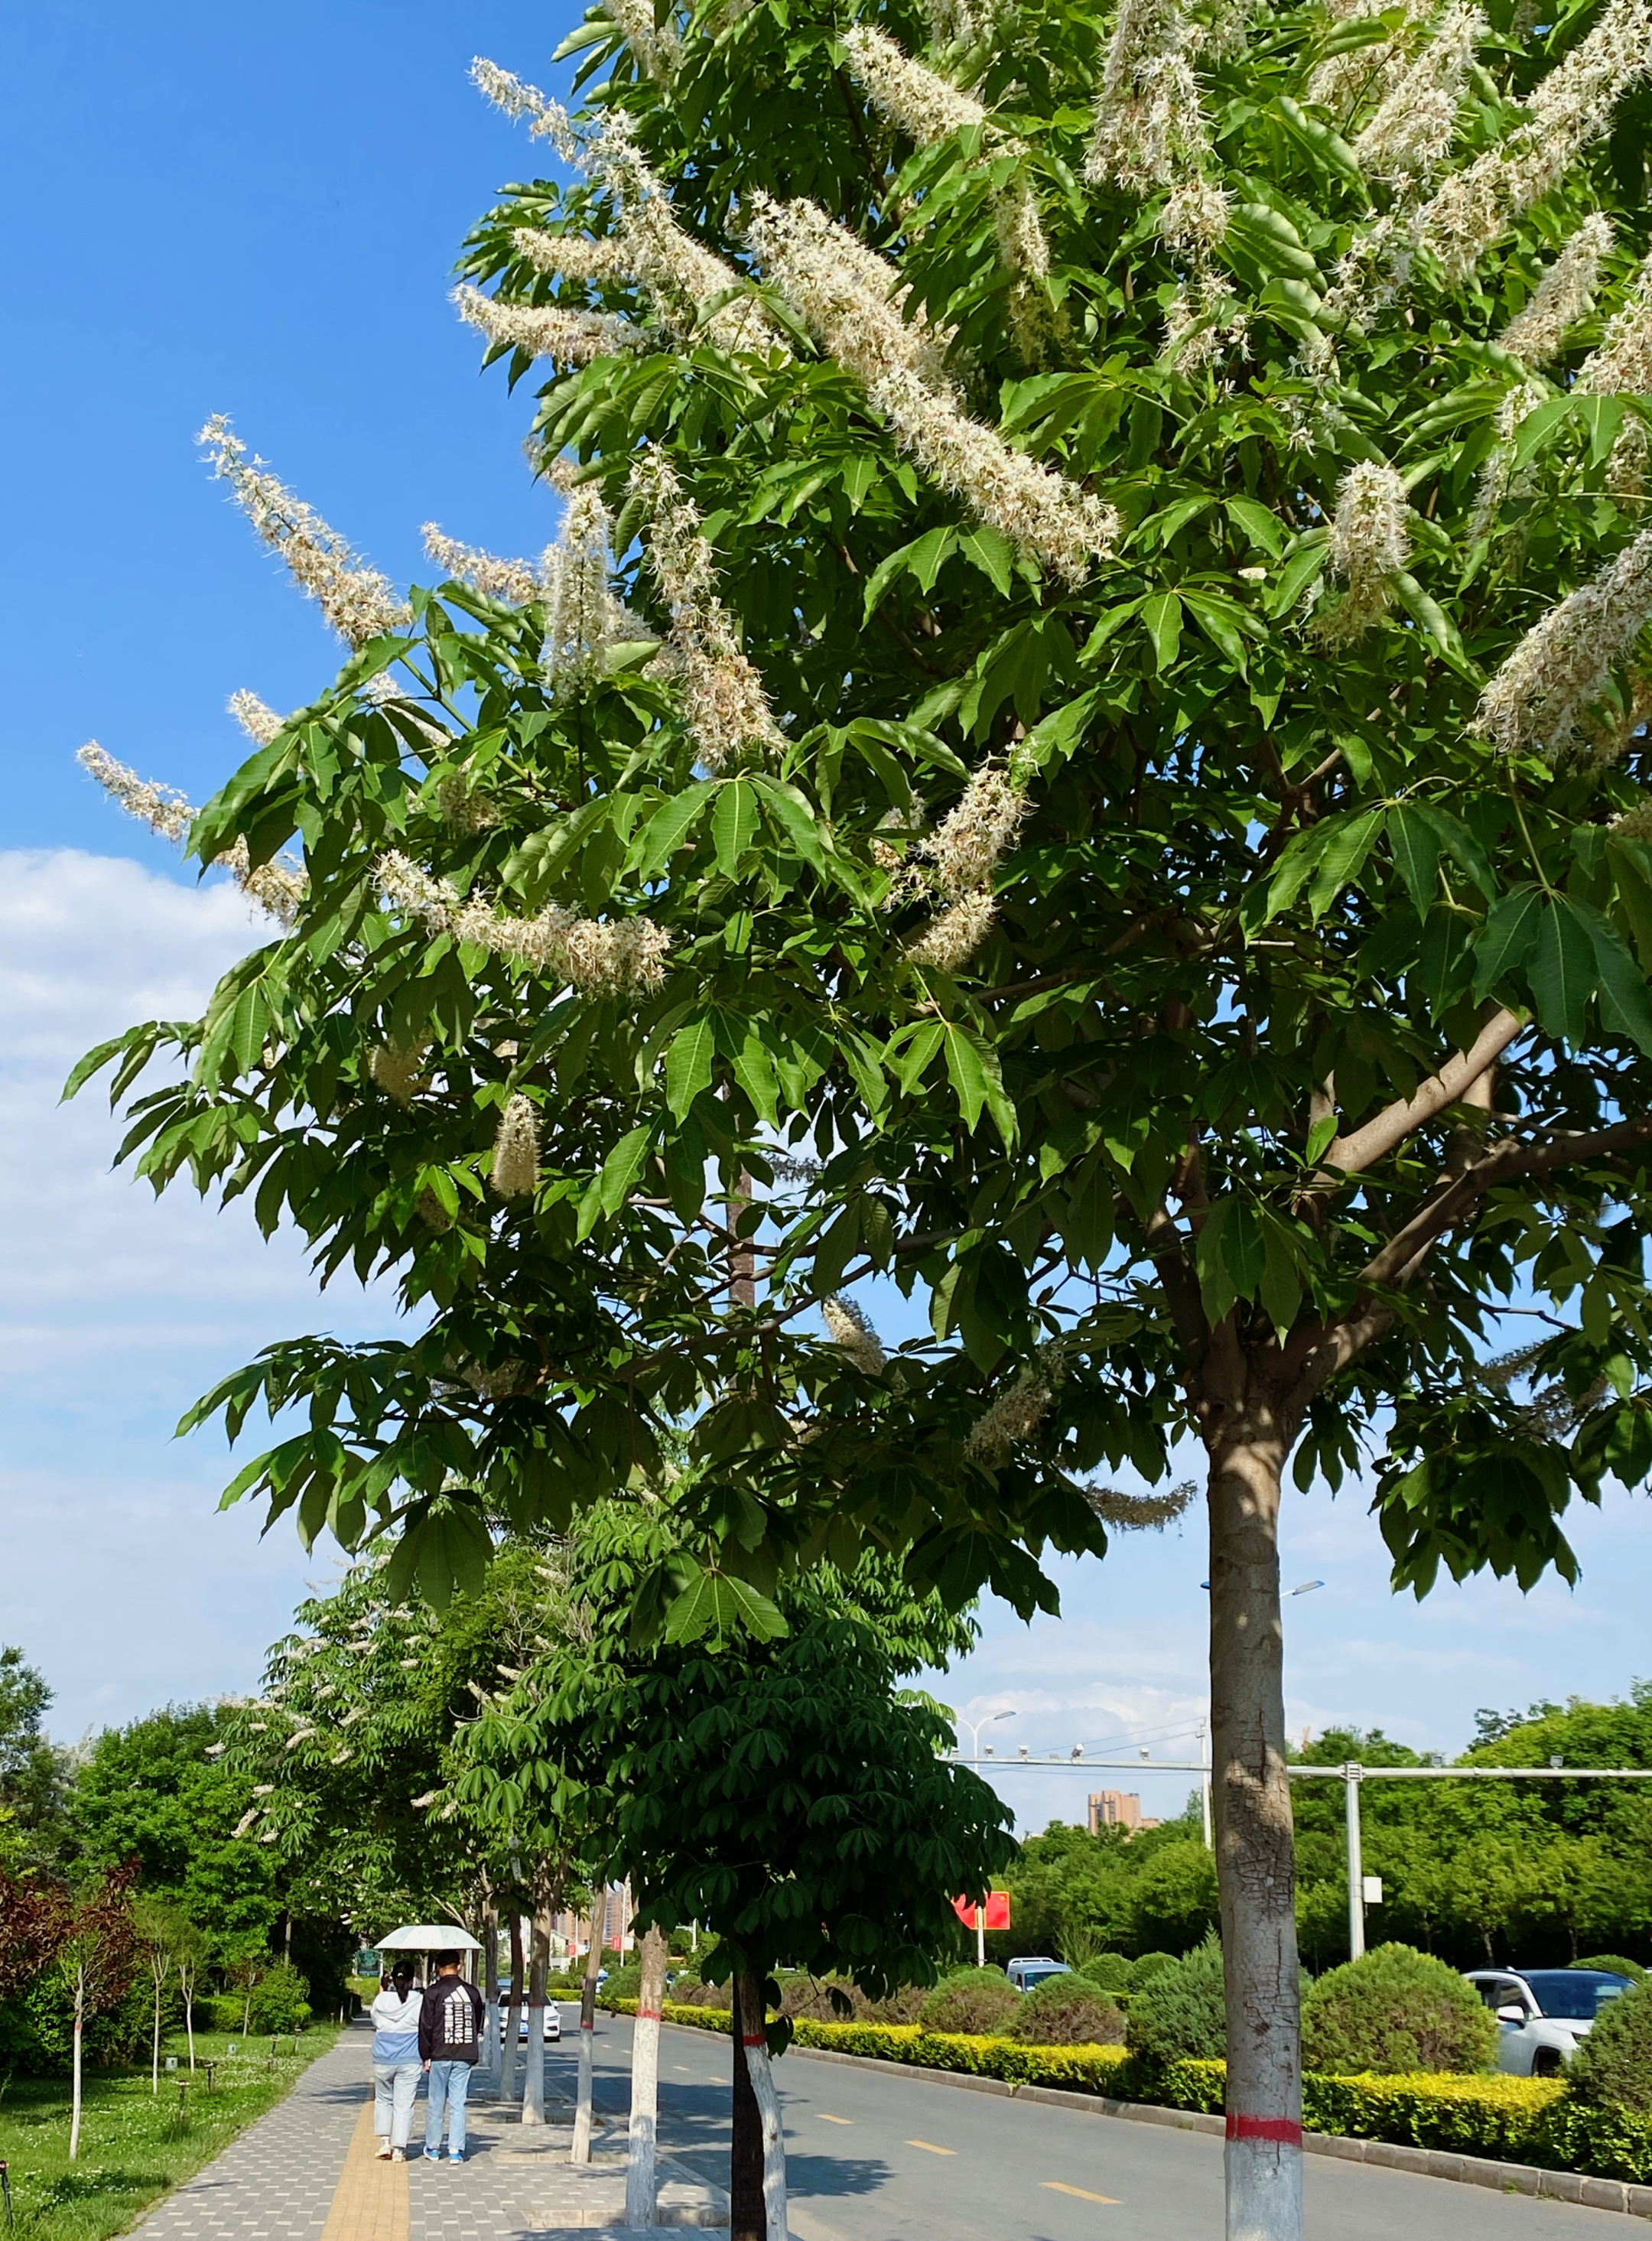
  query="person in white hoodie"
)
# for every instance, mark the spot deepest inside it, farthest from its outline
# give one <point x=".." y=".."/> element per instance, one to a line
<point x="397" y="2067"/>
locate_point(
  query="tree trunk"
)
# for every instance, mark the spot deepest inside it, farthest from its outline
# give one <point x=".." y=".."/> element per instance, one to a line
<point x="768" y="2110"/>
<point x="492" y="2052"/>
<point x="644" y="2081"/>
<point x="533" y="2084"/>
<point x="187" y="1979"/>
<point x="748" y="2214"/>
<point x="80" y="2021"/>
<point x="508" y="2054"/>
<point x="1255" y="1862"/>
<point x="155" y="2045"/>
<point x="580" y="2152"/>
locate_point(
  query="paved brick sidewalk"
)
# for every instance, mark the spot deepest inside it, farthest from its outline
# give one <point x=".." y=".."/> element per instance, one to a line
<point x="276" y="2182"/>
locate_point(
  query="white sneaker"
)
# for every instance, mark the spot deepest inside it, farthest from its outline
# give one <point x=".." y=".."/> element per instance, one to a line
<point x="384" y="2151"/>
<point x="398" y="2155"/>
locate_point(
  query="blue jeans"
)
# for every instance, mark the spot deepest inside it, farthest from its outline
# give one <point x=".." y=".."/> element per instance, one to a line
<point x="449" y="2081"/>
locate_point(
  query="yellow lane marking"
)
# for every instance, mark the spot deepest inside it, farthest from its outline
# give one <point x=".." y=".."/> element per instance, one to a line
<point x="825" y="2119"/>
<point x="1082" y="2192"/>
<point x="930" y="2148"/>
<point x="370" y="2201"/>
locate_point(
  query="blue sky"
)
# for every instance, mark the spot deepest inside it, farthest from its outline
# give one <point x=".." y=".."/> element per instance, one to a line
<point x="256" y="212"/>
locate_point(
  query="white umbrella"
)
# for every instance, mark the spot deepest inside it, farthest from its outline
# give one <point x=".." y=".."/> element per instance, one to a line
<point x="428" y="1937"/>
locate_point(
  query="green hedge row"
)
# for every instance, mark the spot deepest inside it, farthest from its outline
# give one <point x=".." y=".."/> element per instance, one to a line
<point x="1525" y="2120"/>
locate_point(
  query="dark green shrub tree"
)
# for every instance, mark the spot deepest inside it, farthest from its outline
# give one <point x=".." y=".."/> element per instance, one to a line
<point x="1110" y="1971"/>
<point x="977" y="2000"/>
<point x="1395" y="2008"/>
<point x="1176" y="2009"/>
<point x="1067" y="2011"/>
<point x="1142" y="798"/>
<point x="1613" y="2065"/>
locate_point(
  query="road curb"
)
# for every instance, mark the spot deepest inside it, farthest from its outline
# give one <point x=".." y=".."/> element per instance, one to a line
<point x="1426" y="2162"/>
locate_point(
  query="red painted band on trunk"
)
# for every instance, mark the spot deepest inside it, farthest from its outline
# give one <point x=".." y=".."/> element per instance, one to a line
<point x="759" y="2041"/>
<point x="648" y="2014"/>
<point x="1285" y="2131"/>
<point x="590" y="2026"/>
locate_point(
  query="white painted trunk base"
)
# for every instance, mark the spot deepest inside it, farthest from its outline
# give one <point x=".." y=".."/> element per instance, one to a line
<point x="1264" y="2189"/>
<point x="533" y="2054"/>
<point x="580" y="2152"/>
<point x="761" y="2071"/>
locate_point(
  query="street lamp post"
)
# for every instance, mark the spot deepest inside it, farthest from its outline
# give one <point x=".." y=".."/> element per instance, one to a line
<point x="1353" y="1773"/>
<point x="975" y="1727"/>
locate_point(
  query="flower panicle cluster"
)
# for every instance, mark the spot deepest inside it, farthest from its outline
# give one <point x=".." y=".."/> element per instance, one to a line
<point x="1537" y="334"/>
<point x="1563" y="665"/>
<point x="582" y="617"/>
<point x="658" y="47"/>
<point x="1369" y="542"/>
<point x="957" y="862"/>
<point x="928" y="108"/>
<point x="256" y="718"/>
<point x="952" y="936"/>
<point x="678" y="273"/>
<point x="1496" y="476"/>
<point x="917" y="100"/>
<point x="598" y="957"/>
<point x="581" y="258"/>
<point x="824" y="271"/>
<point x="1622" y="365"/>
<point x="357" y="600"/>
<point x="1564" y="113"/>
<point x="1015" y="1414"/>
<point x="568" y="336"/>
<point x="1149" y="128"/>
<point x="397" y="1069"/>
<point x="849" y="1328"/>
<point x="724" y="700"/>
<point x="276" y="889"/>
<point x="517" y="581"/>
<point x="519" y="99"/>
<point x="515" y="1171"/>
<point x="1410" y="134"/>
<point x="1140" y="1513"/>
<point x="1367" y="73"/>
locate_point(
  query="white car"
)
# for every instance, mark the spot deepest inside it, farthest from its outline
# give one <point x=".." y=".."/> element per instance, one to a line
<point x="552" y="2023"/>
<point x="1030" y="1968"/>
<point x="1543" y="2012"/>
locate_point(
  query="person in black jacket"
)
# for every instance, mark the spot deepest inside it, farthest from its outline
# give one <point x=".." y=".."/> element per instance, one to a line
<point x="450" y="2040"/>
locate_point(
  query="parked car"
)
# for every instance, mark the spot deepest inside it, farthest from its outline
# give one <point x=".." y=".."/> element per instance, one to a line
<point x="1544" y="2013"/>
<point x="1033" y="1969"/>
<point x="552" y="2023"/>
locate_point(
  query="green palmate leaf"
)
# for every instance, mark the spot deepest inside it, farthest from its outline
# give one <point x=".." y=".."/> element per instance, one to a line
<point x="688" y="1065"/>
<point x="718" y="1606"/>
<point x="1342" y="859"/>
<point x="1626" y="1002"/>
<point x="1507" y="940"/>
<point x="1243" y="1249"/>
<point x="734" y="823"/>
<point x="1562" y="970"/>
<point x="1162" y="616"/>
<point x="973" y="1070"/>
<point x="1416" y="848"/>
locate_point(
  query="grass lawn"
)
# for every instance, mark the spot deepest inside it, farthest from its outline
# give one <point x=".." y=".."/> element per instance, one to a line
<point x="133" y="2147"/>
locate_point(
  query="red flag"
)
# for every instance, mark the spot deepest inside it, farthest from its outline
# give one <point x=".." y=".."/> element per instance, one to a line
<point x="995" y="1915"/>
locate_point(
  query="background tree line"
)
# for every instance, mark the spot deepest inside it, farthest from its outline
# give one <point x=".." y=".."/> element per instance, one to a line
<point x="1542" y="1873"/>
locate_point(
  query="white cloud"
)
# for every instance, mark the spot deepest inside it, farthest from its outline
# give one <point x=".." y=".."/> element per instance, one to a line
<point x="118" y="1310"/>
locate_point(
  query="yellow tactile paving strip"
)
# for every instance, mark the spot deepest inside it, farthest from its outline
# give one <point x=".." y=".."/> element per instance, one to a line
<point x="370" y="2201"/>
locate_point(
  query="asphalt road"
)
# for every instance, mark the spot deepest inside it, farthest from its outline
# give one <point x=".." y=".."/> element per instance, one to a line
<point x="873" y="2157"/>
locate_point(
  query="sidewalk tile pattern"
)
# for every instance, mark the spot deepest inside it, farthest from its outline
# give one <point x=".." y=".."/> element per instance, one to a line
<point x="276" y="2182"/>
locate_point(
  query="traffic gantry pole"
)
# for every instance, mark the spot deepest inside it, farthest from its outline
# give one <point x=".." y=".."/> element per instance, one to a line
<point x="1352" y="1775"/>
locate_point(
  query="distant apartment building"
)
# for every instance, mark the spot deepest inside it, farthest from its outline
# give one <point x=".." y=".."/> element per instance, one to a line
<point x="1118" y="1808"/>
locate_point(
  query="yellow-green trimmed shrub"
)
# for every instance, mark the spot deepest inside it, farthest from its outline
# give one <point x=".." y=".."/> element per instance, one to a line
<point x="1067" y="2011"/>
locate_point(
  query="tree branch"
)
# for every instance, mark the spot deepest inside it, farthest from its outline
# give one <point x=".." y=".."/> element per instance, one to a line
<point x="1352" y="1154"/>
